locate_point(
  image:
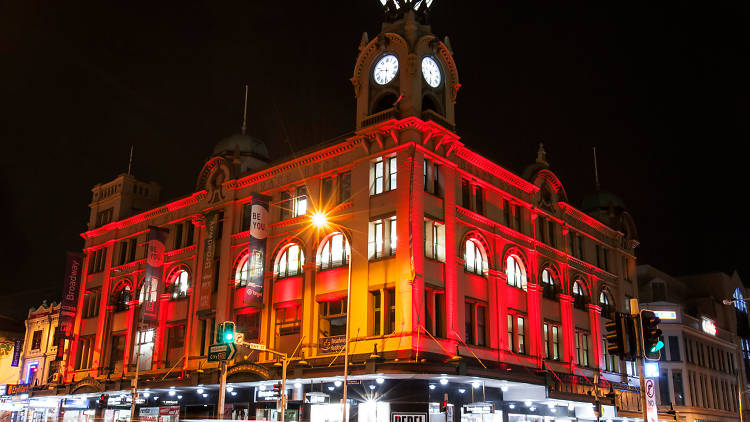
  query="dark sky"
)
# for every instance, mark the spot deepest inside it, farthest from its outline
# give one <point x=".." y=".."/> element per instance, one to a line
<point x="660" y="89"/>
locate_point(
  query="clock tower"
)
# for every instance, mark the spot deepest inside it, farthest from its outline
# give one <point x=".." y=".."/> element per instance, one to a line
<point x="405" y="71"/>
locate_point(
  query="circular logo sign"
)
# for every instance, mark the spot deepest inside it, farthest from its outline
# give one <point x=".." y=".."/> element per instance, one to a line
<point x="155" y="255"/>
<point x="258" y="221"/>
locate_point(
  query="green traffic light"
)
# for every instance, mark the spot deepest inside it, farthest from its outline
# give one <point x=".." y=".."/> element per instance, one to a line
<point x="658" y="346"/>
<point x="230" y="337"/>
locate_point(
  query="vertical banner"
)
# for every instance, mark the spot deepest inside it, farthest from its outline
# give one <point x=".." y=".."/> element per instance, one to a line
<point x="256" y="258"/>
<point x="16" y="352"/>
<point x="209" y="251"/>
<point x="69" y="303"/>
<point x="153" y="283"/>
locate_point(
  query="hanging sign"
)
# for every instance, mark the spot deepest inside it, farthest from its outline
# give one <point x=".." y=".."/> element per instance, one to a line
<point x="256" y="258"/>
<point x="153" y="283"/>
<point x="209" y="251"/>
<point x="69" y="303"/>
<point x="16" y="352"/>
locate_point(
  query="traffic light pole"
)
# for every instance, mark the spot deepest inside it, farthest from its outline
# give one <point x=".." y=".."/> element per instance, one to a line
<point x="222" y="388"/>
<point x="635" y="311"/>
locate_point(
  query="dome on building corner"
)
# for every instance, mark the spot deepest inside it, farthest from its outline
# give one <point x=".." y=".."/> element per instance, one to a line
<point x="245" y="144"/>
<point x="601" y="200"/>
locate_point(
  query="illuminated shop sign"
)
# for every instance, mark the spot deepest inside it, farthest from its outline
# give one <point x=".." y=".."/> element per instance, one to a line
<point x="76" y="403"/>
<point x="652" y="369"/>
<point x="266" y="395"/>
<point x="708" y="326"/>
<point x="316" y="397"/>
<point x="666" y="314"/>
<point x="479" y="408"/>
<point x="408" y="417"/>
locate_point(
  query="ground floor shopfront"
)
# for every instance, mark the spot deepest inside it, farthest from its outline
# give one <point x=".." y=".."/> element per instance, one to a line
<point x="371" y="398"/>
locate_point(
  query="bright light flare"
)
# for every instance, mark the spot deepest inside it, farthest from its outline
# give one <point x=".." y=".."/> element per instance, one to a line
<point x="319" y="220"/>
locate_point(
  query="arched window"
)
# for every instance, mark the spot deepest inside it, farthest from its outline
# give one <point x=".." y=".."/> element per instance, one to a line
<point x="475" y="257"/>
<point x="549" y="284"/>
<point x="579" y="295"/>
<point x="606" y="304"/>
<point x="179" y="281"/>
<point x="516" y="272"/>
<point x="290" y="261"/>
<point x="122" y="299"/>
<point x="241" y="273"/>
<point x="739" y="301"/>
<point x="334" y="252"/>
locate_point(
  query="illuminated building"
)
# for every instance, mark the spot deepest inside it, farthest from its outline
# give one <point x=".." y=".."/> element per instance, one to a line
<point x="706" y="355"/>
<point x="38" y="364"/>
<point x="467" y="281"/>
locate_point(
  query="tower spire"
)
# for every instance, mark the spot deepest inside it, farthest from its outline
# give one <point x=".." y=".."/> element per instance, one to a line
<point x="243" y="130"/>
<point x="130" y="162"/>
<point x="541" y="155"/>
<point x="596" y="171"/>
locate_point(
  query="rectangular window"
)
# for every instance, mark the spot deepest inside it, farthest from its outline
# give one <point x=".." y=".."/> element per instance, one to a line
<point x="132" y="249"/>
<point x="664" y="389"/>
<point x="465" y="194"/>
<point x="383" y="238"/>
<point x="36" y="340"/>
<point x="393" y="237"/>
<point x="123" y="252"/>
<point x="674" y="348"/>
<point x="345" y="186"/>
<point x="436" y="180"/>
<point x="116" y="353"/>
<point x="379" y="177"/>
<point x="506" y="212"/>
<point x="551" y="230"/>
<point x="300" y="202"/>
<point x="521" y="335"/>
<point x="377" y="309"/>
<point x="392" y="167"/>
<point x="440" y="315"/>
<point x="249" y="326"/>
<point x="85" y="352"/>
<point x="175" y="344"/>
<point x="434" y="240"/>
<point x="289" y="320"/>
<point x="326" y="190"/>
<point x="481" y="325"/>
<point x="469" y="323"/>
<point x="479" y="199"/>
<point x="598" y="251"/>
<point x="546" y="340"/>
<point x="285" y="205"/>
<point x="511" y="333"/>
<point x="517" y="215"/>
<point x="580" y="247"/>
<point x="390" y="317"/>
<point x="178" y="236"/>
<point x="555" y="342"/>
<point x="378" y="227"/>
<point x="144" y="340"/>
<point x="426" y="179"/>
<point x="333" y="318"/>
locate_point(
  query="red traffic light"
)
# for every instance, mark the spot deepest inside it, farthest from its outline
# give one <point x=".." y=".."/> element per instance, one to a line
<point x="443" y="406"/>
<point x="277" y="388"/>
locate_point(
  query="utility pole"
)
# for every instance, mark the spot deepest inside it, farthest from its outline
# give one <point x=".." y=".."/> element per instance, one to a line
<point x="222" y="388"/>
<point x="635" y="312"/>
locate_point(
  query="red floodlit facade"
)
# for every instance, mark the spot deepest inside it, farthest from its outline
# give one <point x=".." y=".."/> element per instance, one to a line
<point x="450" y="254"/>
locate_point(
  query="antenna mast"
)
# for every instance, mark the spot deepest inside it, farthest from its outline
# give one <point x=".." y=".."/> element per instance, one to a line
<point x="244" y="114"/>
<point x="596" y="171"/>
<point x="130" y="162"/>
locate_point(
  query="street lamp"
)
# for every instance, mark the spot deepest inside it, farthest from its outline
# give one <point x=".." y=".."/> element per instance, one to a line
<point x="320" y="221"/>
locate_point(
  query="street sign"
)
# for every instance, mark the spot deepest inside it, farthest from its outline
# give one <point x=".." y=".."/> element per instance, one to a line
<point x="220" y="352"/>
<point x="651" y="410"/>
<point x="256" y="346"/>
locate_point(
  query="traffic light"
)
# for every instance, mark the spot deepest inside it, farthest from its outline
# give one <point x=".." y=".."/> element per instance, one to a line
<point x="277" y="389"/>
<point x="226" y="332"/>
<point x="652" y="343"/>
<point x="103" y="399"/>
<point x="444" y="406"/>
<point x="616" y="336"/>
<point x="621" y="337"/>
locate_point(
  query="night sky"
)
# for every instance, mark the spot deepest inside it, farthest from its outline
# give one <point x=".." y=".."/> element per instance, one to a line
<point x="660" y="89"/>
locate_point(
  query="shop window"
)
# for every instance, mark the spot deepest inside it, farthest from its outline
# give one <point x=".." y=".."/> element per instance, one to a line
<point x="475" y="257"/>
<point x="434" y="240"/>
<point x="289" y="320"/>
<point x="290" y="261"/>
<point x="549" y="284"/>
<point x="334" y="252"/>
<point x="551" y="341"/>
<point x="333" y="318"/>
<point x="383" y="175"/>
<point x="36" y="340"/>
<point x="515" y="272"/>
<point x="383" y="236"/>
<point x="580" y="299"/>
<point x="178" y="283"/>
<point x="175" y="344"/>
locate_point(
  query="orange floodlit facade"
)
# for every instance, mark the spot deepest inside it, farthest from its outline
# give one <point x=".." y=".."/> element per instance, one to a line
<point x="459" y="267"/>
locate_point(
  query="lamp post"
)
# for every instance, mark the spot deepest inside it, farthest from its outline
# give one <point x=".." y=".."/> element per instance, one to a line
<point x="320" y="221"/>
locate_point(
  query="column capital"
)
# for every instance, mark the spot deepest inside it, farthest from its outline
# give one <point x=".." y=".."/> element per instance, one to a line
<point x="533" y="287"/>
<point x="565" y="298"/>
<point x="595" y="309"/>
<point x="199" y="220"/>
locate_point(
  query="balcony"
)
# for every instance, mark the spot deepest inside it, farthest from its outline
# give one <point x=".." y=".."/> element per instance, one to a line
<point x="380" y="117"/>
<point x="429" y="115"/>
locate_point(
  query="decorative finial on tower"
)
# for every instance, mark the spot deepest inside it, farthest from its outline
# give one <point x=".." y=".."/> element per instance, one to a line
<point x="541" y="155"/>
<point x="365" y="40"/>
<point x="130" y="162"/>
<point x="447" y="42"/>
<point x="596" y="171"/>
<point x="243" y="130"/>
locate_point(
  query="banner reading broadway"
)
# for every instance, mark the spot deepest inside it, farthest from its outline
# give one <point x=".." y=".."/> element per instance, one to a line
<point x="153" y="283"/>
<point x="256" y="258"/>
<point x="209" y="251"/>
<point x="69" y="303"/>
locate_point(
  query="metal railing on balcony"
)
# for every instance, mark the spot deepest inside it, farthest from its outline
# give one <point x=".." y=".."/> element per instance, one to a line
<point x="430" y="115"/>
<point x="380" y="117"/>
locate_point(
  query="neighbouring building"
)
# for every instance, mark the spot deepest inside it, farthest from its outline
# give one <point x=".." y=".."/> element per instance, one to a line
<point x="470" y="284"/>
<point x="38" y="360"/>
<point x="11" y="336"/>
<point x="704" y="364"/>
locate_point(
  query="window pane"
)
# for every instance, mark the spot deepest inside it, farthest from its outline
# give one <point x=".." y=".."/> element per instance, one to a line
<point x="392" y="170"/>
<point x="470" y="256"/>
<point x="394" y="236"/>
<point x="378" y="239"/>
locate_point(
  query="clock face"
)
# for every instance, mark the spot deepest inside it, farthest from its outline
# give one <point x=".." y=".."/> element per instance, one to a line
<point x="431" y="72"/>
<point x="386" y="69"/>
